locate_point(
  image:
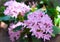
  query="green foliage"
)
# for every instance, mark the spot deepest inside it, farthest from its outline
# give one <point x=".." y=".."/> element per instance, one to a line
<point x="50" y="7"/>
<point x="2" y="8"/>
<point x="51" y="12"/>
<point x="25" y="32"/>
<point x="56" y="30"/>
<point x="56" y="21"/>
<point x="36" y="40"/>
<point x="33" y="9"/>
<point x="5" y="18"/>
<point x="26" y="39"/>
<point x="17" y="28"/>
<point x="20" y="18"/>
<point x="21" y="39"/>
<point x="25" y="16"/>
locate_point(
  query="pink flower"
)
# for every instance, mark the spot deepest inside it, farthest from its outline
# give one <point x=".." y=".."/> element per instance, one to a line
<point x="13" y="26"/>
<point x="14" y="8"/>
<point x="40" y="25"/>
<point x="15" y="34"/>
<point x="47" y="36"/>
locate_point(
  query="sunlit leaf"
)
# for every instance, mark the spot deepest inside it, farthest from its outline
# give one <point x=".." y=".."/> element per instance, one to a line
<point x="56" y="21"/>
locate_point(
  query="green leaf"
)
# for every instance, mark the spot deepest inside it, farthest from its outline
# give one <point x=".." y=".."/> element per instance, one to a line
<point x="33" y="9"/>
<point x="59" y="23"/>
<point x="25" y="16"/>
<point x="53" y="35"/>
<point x="56" y="21"/>
<point x="5" y="18"/>
<point x="56" y="30"/>
<point x="51" y="12"/>
<point x="17" y="28"/>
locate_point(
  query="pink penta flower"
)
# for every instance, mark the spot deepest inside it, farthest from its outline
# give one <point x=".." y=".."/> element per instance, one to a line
<point x="40" y="24"/>
<point x="14" y="8"/>
<point x="16" y="34"/>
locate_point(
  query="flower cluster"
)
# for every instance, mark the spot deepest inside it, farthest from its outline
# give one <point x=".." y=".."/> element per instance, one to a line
<point x="14" y="8"/>
<point x="13" y="34"/>
<point x="39" y="24"/>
